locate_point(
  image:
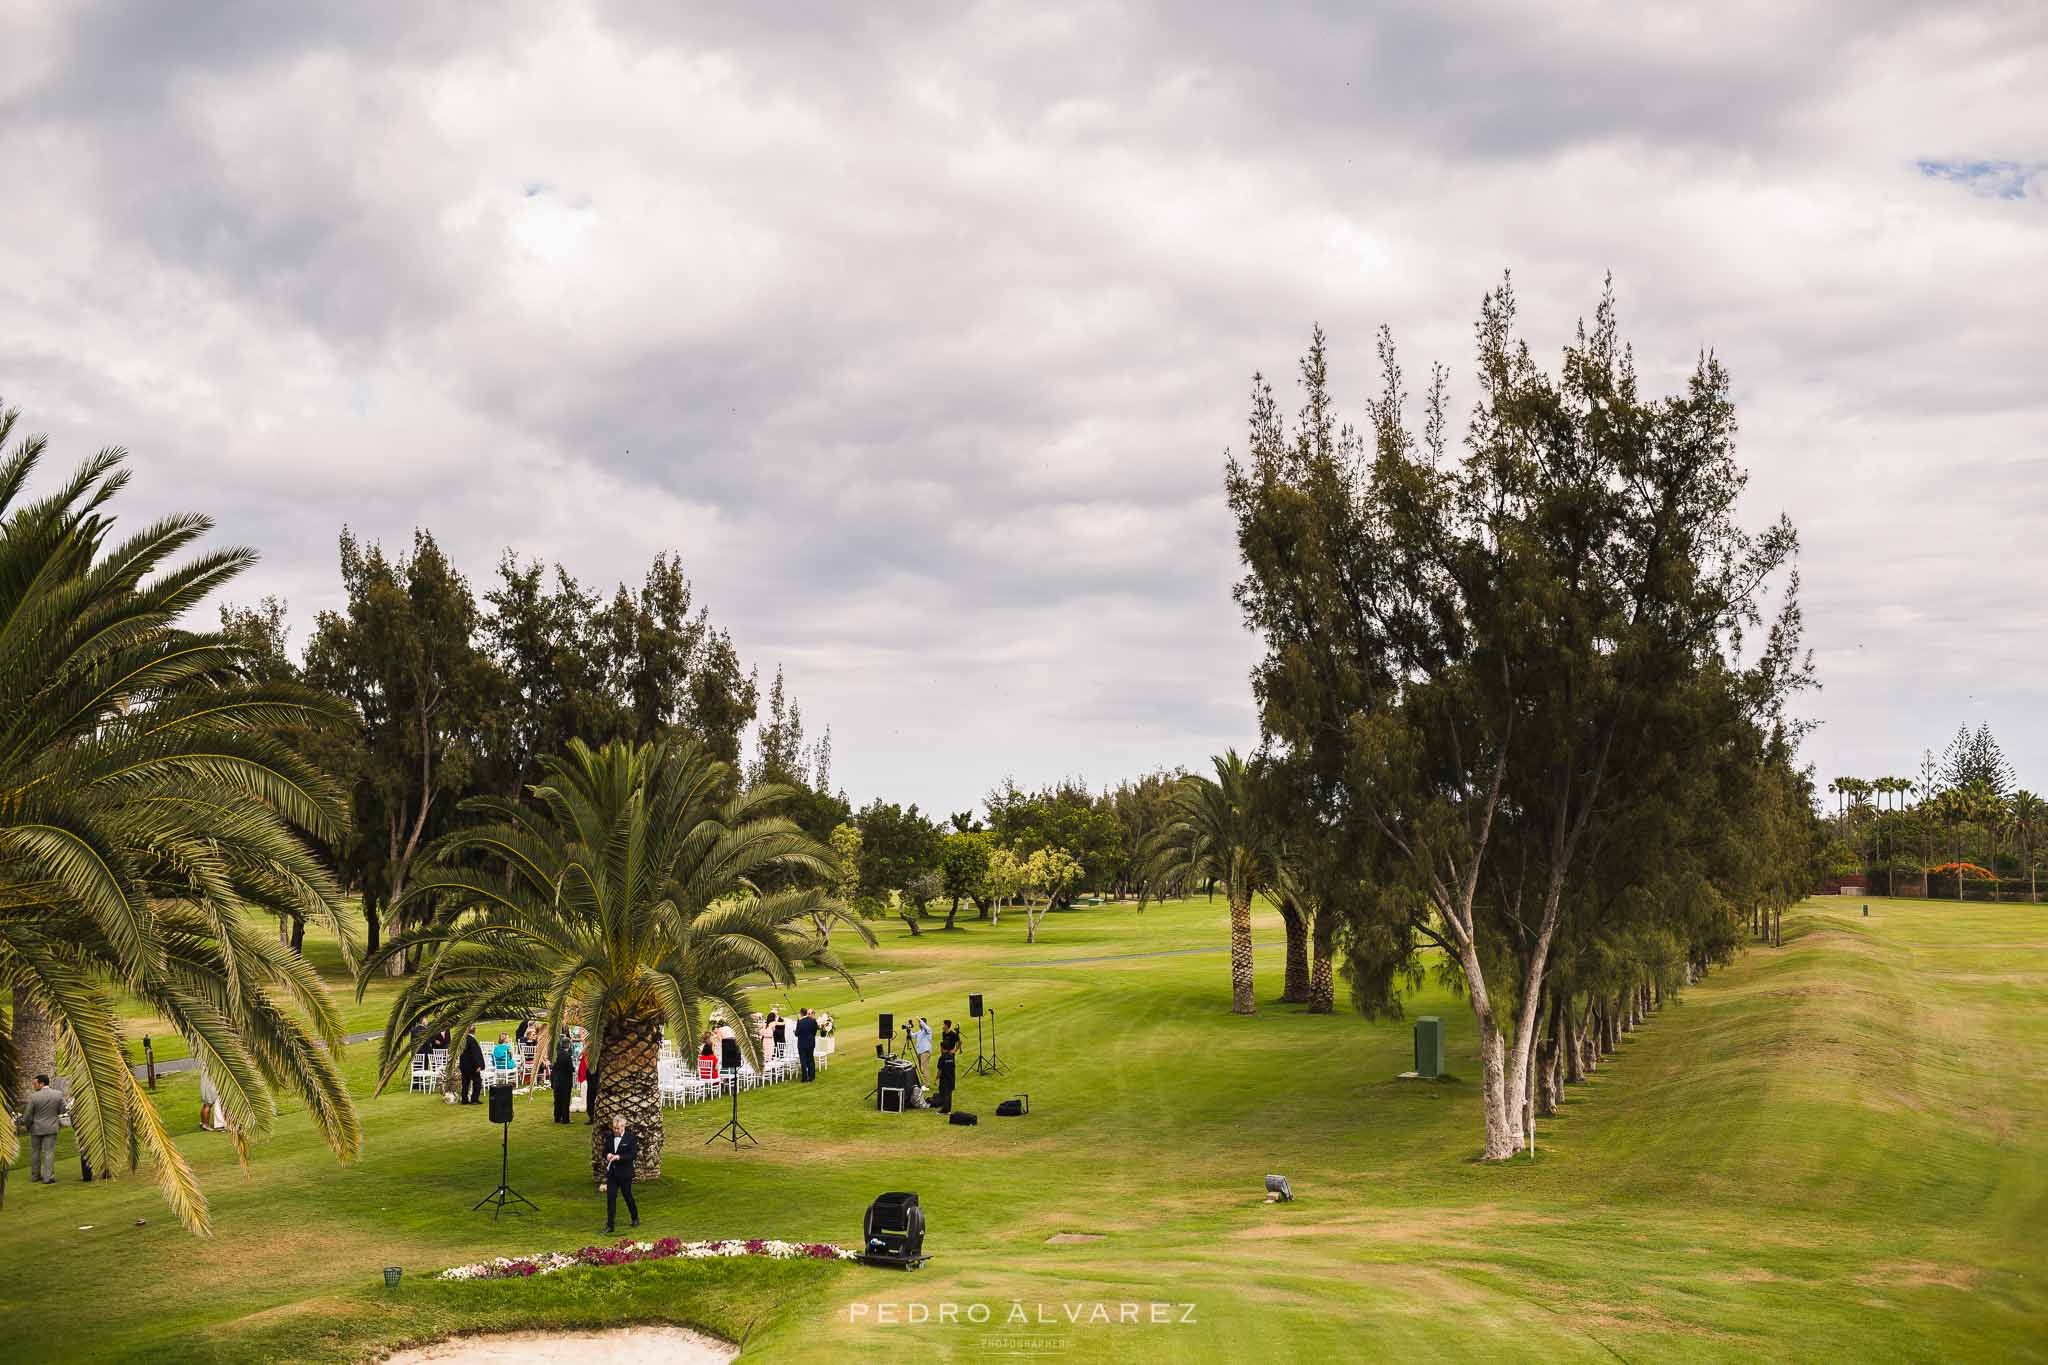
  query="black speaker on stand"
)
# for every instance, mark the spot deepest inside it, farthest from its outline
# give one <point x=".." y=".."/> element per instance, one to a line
<point x="729" y="1063"/>
<point x="885" y="1032"/>
<point x="501" y="1114"/>
<point x="984" y="1065"/>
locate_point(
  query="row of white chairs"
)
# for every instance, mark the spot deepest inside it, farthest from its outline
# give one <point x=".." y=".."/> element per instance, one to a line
<point x="683" y="1081"/>
<point x="429" y="1067"/>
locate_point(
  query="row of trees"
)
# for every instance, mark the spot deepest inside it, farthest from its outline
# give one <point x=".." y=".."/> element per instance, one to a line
<point x="1038" y="848"/>
<point x="1524" y="715"/>
<point x="1961" y="819"/>
<point x="455" y="696"/>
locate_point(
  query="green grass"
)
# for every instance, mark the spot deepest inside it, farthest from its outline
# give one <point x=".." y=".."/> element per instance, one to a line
<point x="1832" y="1150"/>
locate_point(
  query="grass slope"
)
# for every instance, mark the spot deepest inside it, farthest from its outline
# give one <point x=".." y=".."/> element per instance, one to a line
<point x="1836" y="1149"/>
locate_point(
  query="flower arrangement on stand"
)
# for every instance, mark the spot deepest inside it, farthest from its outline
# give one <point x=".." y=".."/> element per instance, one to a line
<point x="629" y="1251"/>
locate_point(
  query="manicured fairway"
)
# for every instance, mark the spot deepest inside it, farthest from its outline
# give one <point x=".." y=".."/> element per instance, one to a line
<point x="1835" y="1150"/>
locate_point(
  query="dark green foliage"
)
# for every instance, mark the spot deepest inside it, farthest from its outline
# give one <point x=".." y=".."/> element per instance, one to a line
<point x="897" y="843"/>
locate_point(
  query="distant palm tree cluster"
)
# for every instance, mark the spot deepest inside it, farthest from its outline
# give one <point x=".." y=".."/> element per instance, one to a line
<point x="1960" y="828"/>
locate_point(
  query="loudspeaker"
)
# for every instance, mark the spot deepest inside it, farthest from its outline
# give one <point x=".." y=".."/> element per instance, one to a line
<point x="729" y="1053"/>
<point x="887" y="1028"/>
<point x="894" y="1227"/>
<point x="501" y="1104"/>
<point x="974" y="1007"/>
<point x="963" y="1118"/>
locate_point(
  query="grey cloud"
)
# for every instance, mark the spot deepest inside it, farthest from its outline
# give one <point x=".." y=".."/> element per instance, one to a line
<point x="921" y="330"/>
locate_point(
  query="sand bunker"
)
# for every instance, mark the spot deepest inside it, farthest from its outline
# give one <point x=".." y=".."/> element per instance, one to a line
<point x="624" y="1346"/>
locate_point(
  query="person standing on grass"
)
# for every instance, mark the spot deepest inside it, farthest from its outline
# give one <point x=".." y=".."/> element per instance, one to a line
<point x="921" y="1042"/>
<point x="589" y="1089"/>
<point x="620" y="1149"/>
<point x="949" y="1062"/>
<point x="44" y="1116"/>
<point x="807" y="1045"/>
<point x="472" y="1069"/>
<point x="563" y="1078"/>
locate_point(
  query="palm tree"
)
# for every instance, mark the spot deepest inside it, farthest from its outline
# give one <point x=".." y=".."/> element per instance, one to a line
<point x="149" y="817"/>
<point x="2026" y="817"/>
<point x="626" y="897"/>
<point x="1211" y="831"/>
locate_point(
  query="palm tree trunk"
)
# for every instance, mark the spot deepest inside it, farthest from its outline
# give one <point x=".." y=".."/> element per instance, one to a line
<point x="35" y="1045"/>
<point x="1241" y="1001"/>
<point x="1295" y="988"/>
<point x="1322" y="984"/>
<point x="629" y="1085"/>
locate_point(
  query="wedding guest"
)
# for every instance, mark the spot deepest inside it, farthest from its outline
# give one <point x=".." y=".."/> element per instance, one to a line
<point x="807" y="1045"/>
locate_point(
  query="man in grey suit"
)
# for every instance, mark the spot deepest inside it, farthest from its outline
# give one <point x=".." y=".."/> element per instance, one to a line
<point x="45" y="1109"/>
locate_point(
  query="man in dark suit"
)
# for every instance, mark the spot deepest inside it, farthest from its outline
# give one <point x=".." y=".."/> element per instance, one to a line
<point x="472" y="1070"/>
<point x="807" y="1044"/>
<point x="562" y="1076"/>
<point x="949" y="1061"/>
<point x="620" y="1151"/>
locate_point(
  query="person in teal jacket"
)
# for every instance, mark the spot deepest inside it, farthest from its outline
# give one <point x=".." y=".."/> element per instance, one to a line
<point x="501" y="1055"/>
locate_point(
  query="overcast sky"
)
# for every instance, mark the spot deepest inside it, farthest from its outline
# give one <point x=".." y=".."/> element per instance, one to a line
<point x="921" y="331"/>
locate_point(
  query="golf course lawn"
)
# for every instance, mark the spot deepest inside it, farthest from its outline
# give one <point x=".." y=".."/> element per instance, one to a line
<point x="1832" y="1150"/>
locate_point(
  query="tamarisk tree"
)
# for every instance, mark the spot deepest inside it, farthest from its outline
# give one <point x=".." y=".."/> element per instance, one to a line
<point x="1484" y="660"/>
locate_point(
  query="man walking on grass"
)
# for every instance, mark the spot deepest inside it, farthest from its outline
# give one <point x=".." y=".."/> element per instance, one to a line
<point x="44" y="1114"/>
<point x="620" y="1150"/>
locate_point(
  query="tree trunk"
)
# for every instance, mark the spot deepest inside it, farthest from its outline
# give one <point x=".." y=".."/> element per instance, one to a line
<point x="35" y="1045"/>
<point x="1496" y="1102"/>
<point x="1322" y="984"/>
<point x="1241" y="1001"/>
<point x="1574" y="1050"/>
<point x="1294" y="988"/>
<point x="373" y="917"/>
<point x="1625" y="1013"/>
<point x="298" y="933"/>
<point x="1493" y="1090"/>
<point x="629" y="1085"/>
<point x="954" y="913"/>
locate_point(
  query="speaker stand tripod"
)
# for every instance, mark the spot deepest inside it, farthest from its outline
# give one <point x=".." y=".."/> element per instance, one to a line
<point x="504" y="1194"/>
<point x="734" y="1129"/>
<point x="987" y="1066"/>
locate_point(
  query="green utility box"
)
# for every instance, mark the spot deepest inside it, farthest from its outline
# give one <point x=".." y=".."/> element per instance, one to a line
<point x="1429" y="1047"/>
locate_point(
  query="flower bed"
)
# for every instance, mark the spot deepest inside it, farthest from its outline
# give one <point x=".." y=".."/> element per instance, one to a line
<point x="629" y="1251"/>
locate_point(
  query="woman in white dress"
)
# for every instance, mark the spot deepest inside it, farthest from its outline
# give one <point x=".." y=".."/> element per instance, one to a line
<point x="211" y="1117"/>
